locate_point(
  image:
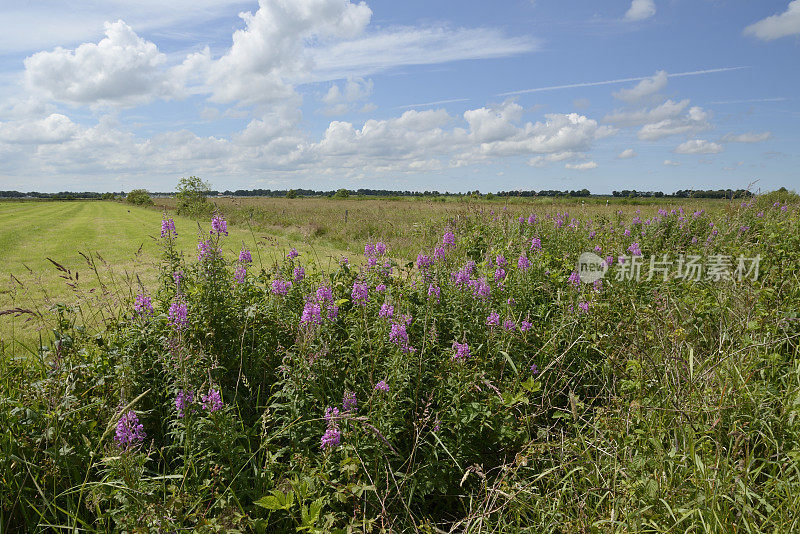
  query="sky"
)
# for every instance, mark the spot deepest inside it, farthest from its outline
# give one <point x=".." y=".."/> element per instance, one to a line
<point x="652" y="95"/>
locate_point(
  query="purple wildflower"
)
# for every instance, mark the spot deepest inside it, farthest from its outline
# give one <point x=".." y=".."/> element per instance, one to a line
<point x="212" y="402"/>
<point x="349" y="402"/>
<point x="183" y="401"/>
<point x="332" y="438"/>
<point x="634" y="249"/>
<point x="449" y="239"/>
<point x="382" y="386"/>
<point x="399" y="336"/>
<point x="380" y="248"/>
<point x="534" y="369"/>
<point x="299" y="274"/>
<point x="143" y="305"/>
<point x="574" y="279"/>
<point x="461" y="351"/>
<point x="177" y="276"/>
<point x="536" y="244"/>
<point x="292" y="254"/>
<point x="387" y="311"/>
<point x="168" y="228"/>
<point x="584" y="306"/>
<point x="380" y="288"/>
<point x="130" y="432"/>
<point x="500" y="260"/>
<point x="245" y="256"/>
<point x="241" y="272"/>
<point x="525" y="325"/>
<point x="360" y="293"/>
<point x="523" y="264"/>
<point x="280" y="287"/>
<point x="219" y="225"/>
<point x="493" y="319"/>
<point x="609" y="260"/>
<point x="509" y="324"/>
<point x="499" y="275"/>
<point x="439" y="253"/>
<point x="178" y="314"/>
<point x="312" y="314"/>
<point x="434" y="292"/>
<point x="424" y="261"/>
<point x="369" y="249"/>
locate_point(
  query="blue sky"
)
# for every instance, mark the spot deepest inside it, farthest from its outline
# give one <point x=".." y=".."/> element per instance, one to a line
<point x="449" y="96"/>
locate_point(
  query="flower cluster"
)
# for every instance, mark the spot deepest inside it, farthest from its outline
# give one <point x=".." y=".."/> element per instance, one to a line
<point x="523" y="263"/>
<point x="332" y="437"/>
<point x="461" y="351"/>
<point x="130" y="432"/>
<point x="143" y="305"/>
<point x="281" y="287"/>
<point x="219" y="225"/>
<point x="299" y="274"/>
<point x="634" y="249"/>
<point x="349" y="402"/>
<point x="312" y="314"/>
<point x="399" y="336"/>
<point x="168" y="228"/>
<point x="178" y="315"/>
<point x="183" y="402"/>
<point x="360" y="293"/>
<point x="493" y="319"/>
<point x="212" y="401"/>
<point x="382" y="386"/>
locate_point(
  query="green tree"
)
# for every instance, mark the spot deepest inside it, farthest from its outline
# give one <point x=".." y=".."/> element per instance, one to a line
<point x="192" y="192"/>
<point x="342" y="193"/>
<point x="139" y="197"/>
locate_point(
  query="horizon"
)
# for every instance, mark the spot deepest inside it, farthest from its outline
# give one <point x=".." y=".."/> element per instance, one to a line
<point x="643" y="95"/>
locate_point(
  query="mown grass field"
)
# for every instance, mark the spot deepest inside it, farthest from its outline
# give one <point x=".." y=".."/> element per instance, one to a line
<point x="121" y="239"/>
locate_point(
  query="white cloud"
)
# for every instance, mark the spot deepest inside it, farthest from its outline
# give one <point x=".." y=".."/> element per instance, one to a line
<point x="351" y="96"/>
<point x="640" y="10"/>
<point x="669" y="162"/>
<point x="749" y="137"/>
<point x="627" y="154"/>
<point x="698" y="146"/>
<point x="777" y="26"/>
<point x="643" y="89"/>
<point x="581" y="166"/>
<point x="639" y="117"/>
<point x="394" y="47"/>
<point x="696" y="120"/>
<point x="269" y="52"/>
<point x="55" y="128"/>
<point x="121" y="69"/>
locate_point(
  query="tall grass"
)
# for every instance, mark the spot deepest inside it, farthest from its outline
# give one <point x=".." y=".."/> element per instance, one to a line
<point x="649" y="406"/>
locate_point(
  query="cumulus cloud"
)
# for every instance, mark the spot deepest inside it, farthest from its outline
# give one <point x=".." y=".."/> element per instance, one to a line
<point x="351" y="96"/>
<point x="640" y="10"/>
<point x="698" y="146"/>
<point x="121" y="69"/>
<point x="696" y="120"/>
<point x="269" y="52"/>
<point x="581" y="166"/>
<point x="643" y="89"/>
<point x="777" y="26"/>
<point x="55" y="128"/>
<point x="627" y="154"/>
<point x="749" y="137"/>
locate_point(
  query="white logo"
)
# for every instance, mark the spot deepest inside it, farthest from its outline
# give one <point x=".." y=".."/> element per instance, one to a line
<point x="591" y="267"/>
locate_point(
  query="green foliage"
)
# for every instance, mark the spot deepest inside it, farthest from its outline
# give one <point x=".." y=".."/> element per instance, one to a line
<point x="139" y="197"/>
<point x="663" y="407"/>
<point x="191" y="196"/>
<point x="341" y="194"/>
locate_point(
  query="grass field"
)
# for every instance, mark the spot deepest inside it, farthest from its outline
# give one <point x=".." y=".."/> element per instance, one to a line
<point x="122" y="241"/>
<point x="461" y="376"/>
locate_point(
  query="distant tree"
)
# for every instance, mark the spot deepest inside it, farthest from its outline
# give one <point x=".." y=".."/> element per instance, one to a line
<point x="342" y="193"/>
<point x="139" y="197"/>
<point x="192" y="192"/>
<point x="291" y="193"/>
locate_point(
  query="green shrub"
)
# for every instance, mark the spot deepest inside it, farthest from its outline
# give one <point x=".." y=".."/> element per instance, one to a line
<point x="139" y="197"/>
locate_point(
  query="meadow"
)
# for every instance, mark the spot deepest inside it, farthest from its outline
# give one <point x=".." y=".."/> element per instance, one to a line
<point x="425" y="366"/>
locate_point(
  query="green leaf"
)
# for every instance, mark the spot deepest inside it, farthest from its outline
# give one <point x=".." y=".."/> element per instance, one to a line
<point x="277" y="501"/>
